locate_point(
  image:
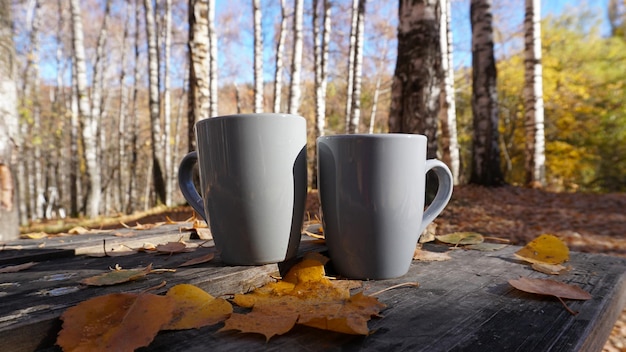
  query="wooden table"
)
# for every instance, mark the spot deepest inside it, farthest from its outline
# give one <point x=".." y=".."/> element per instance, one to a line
<point x="464" y="304"/>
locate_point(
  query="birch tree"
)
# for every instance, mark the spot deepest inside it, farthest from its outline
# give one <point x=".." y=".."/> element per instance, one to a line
<point x="447" y="114"/>
<point x="296" y="63"/>
<point x="258" y="57"/>
<point x="199" y="78"/>
<point x="533" y="96"/>
<point x="122" y="128"/>
<point x="485" y="168"/>
<point x="90" y="123"/>
<point x="167" y="113"/>
<point x="351" y="50"/>
<point x="417" y="78"/>
<point x="9" y="219"/>
<point x="155" y="103"/>
<point x="355" y="106"/>
<point x="213" y="74"/>
<point x="278" y="73"/>
<point x="321" y="42"/>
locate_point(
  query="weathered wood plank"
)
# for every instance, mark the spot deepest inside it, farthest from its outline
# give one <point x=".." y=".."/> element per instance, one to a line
<point x="464" y="304"/>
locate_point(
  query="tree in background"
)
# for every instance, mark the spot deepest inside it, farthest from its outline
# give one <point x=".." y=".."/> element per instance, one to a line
<point x="417" y="78"/>
<point x="89" y="122"/>
<point x="258" y="57"/>
<point x="485" y="149"/>
<point x="533" y="97"/>
<point x="199" y="76"/>
<point x="295" y="91"/>
<point x="280" y="45"/>
<point x="447" y="113"/>
<point x="8" y="126"/>
<point x="354" y="106"/>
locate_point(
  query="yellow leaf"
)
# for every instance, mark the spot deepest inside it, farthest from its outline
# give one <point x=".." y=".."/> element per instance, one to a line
<point x="461" y="238"/>
<point x="34" y="235"/>
<point x="195" y="308"/>
<point x="546" y="248"/>
<point x="305" y="296"/>
<point x="114" y="322"/>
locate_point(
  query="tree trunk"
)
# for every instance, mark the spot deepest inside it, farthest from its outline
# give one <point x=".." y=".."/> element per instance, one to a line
<point x="486" y="169"/>
<point x="351" y="49"/>
<point x="199" y="77"/>
<point x="167" y="114"/>
<point x="90" y="123"/>
<point x="133" y="184"/>
<point x="9" y="127"/>
<point x="258" y="57"/>
<point x="417" y="79"/>
<point x="296" y="63"/>
<point x="278" y="75"/>
<point x="213" y="74"/>
<point x="155" y="104"/>
<point x="447" y="115"/>
<point x="123" y="166"/>
<point x="355" y="109"/>
<point x="533" y="97"/>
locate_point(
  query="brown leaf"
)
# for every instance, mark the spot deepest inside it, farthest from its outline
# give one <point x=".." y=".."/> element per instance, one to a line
<point x="199" y="260"/>
<point x="171" y="247"/>
<point x="546" y="248"/>
<point x="114" y="322"/>
<point x="428" y="256"/>
<point x="116" y="276"/>
<point x="204" y="233"/>
<point x="551" y="269"/>
<point x="550" y="287"/>
<point x="16" y="268"/>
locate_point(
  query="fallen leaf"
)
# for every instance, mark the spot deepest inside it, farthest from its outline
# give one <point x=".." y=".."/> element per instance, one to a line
<point x="171" y="247"/>
<point x="114" y="322"/>
<point x="429" y="233"/>
<point x="546" y="248"/>
<point x="204" y="233"/>
<point x="486" y="247"/>
<point x="551" y="269"/>
<point x="548" y="287"/>
<point x="305" y="296"/>
<point x="428" y="256"/>
<point x="195" y="308"/>
<point x="78" y="230"/>
<point x="140" y="227"/>
<point x="16" y="268"/>
<point x="461" y="238"/>
<point x="117" y="276"/>
<point x="34" y="235"/>
<point x="199" y="260"/>
<point x="124" y="234"/>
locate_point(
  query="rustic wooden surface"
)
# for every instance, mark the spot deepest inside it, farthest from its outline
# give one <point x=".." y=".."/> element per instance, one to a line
<point x="464" y="304"/>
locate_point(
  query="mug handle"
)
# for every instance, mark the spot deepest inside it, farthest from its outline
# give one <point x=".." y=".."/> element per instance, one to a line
<point x="444" y="191"/>
<point x="185" y="182"/>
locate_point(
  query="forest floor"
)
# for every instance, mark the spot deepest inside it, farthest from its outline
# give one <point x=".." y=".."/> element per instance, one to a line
<point x="586" y="222"/>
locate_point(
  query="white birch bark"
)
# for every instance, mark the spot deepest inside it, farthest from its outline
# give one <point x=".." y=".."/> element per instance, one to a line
<point x="155" y="105"/>
<point x="449" y="141"/>
<point x="355" y="109"/>
<point x="122" y="163"/>
<point x="90" y="123"/>
<point x="258" y="57"/>
<point x="133" y="124"/>
<point x="213" y="72"/>
<point x="321" y="43"/>
<point x="9" y="127"/>
<point x="533" y="96"/>
<point x="278" y="75"/>
<point x="351" y="49"/>
<point x="296" y="63"/>
<point x="199" y="102"/>
<point x="167" y="134"/>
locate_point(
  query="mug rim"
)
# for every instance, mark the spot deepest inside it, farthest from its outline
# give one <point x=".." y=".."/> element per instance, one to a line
<point x="262" y="115"/>
<point x="373" y="136"/>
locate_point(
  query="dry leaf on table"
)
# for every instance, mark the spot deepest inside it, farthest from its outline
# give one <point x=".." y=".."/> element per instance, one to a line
<point x="461" y="238"/>
<point x="545" y="249"/>
<point x="199" y="260"/>
<point x="171" y="247"/>
<point x="16" y="268"/>
<point x="195" y="308"/>
<point x="428" y="256"/>
<point x="305" y="296"/>
<point x="115" y="322"/>
<point x="548" y="287"/>
<point x="116" y="276"/>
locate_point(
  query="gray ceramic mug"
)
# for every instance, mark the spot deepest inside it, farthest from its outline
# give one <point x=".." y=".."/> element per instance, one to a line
<point x="253" y="178"/>
<point x="372" y="190"/>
